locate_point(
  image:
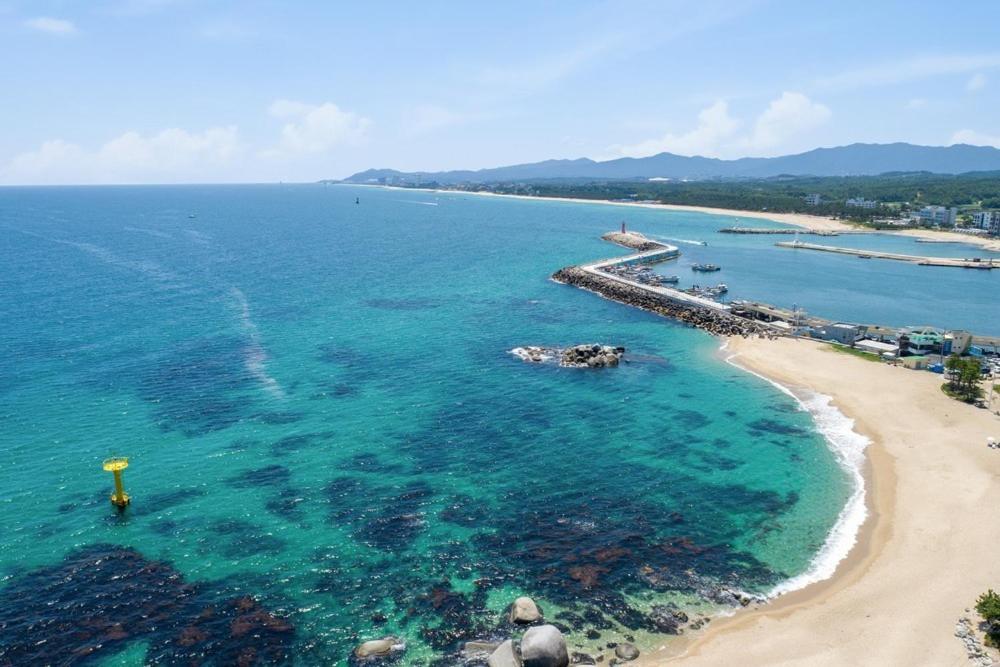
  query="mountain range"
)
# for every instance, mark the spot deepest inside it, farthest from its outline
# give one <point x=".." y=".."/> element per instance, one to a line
<point x="852" y="160"/>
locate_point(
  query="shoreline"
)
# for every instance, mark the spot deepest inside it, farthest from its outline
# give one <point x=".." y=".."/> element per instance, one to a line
<point x="924" y="552"/>
<point x="802" y="220"/>
<point x="851" y="449"/>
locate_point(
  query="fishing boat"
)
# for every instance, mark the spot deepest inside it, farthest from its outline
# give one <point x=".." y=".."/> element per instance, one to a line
<point x="705" y="268"/>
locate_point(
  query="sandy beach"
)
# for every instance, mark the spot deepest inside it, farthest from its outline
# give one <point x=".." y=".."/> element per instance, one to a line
<point x="927" y="549"/>
<point x="803" y="220"/>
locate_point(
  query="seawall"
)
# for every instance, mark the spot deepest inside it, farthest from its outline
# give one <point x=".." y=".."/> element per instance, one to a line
<point x="717" y="321"/>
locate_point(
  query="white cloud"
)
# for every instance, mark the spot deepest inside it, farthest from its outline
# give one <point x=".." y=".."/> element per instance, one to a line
<point x="790" y="115"/>
<point x="911" y="69"/>
<point x="171" y="155"/>
<point x="975" y="138"/>
<point x="717" y="133"/>
<point x="916" y="103"/>
<point x="316" y="128"/>
<point x="977" y="82"/>
<point x="715" y="127"/>
<point x="51" y="25"/>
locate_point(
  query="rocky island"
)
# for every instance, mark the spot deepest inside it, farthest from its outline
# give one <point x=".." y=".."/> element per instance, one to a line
<point x="577" y="356"/>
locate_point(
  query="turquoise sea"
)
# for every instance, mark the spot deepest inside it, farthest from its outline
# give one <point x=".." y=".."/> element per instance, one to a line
<point x="330" y="442"/>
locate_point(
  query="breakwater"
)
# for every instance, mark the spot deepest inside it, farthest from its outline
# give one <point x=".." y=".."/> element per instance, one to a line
<point x="717" y="321"/>
<point x="780" y="230"/>
<point x="965" y="263"/>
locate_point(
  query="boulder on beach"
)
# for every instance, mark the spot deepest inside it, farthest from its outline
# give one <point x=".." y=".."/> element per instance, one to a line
<point x="544" y="646"/>
<point x="478" y="649"/>
<point x="626" y="651"/>
<point x="524" y="610"/>
<point x="504" y="656"/>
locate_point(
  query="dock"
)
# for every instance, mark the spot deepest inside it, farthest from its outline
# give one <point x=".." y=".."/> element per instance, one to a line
<point x="692" y="309"/>
<point x="793" y="230"/>
<point x="964" y="263"/>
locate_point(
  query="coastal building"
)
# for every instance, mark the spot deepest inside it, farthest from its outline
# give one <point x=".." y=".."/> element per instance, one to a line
<point x="920" y="341"/>
<point x="956" y="342"/>
<point x="888" y="350"/>
<point x="861" y="202"/>
<point x="839" y="332"/>
<point x="813" y="199"/>
<point x="938" y="216"/>
<point x="988" y="221"/>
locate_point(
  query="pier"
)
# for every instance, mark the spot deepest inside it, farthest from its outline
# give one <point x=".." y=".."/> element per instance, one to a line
<point x="965" y="263"/>
<point x="698" y="311"/>
<point x="790" y="230"/>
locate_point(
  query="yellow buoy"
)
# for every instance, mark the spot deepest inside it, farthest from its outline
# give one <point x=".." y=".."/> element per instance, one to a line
<point x="115" y="466"/>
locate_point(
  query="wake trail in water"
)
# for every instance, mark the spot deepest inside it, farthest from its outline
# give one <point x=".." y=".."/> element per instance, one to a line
<point x="254" y="354"/>
<point x="423" y="203"/>
<point x="145" y="267"/>
<point x="684" y="241"/>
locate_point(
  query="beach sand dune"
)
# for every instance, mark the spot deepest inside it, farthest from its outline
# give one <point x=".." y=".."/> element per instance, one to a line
<point x="931" y="544"/>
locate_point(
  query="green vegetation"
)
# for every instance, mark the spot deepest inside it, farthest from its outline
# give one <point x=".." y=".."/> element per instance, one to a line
<point x="988" y="606"/>
<point x="843" y="349"/>
<point x="896" y="193"/>
<point x="963" y="379"/>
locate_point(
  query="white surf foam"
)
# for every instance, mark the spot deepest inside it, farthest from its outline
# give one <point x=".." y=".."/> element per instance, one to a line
<point x="254" y="355"/>
<point x="848" y="447"/>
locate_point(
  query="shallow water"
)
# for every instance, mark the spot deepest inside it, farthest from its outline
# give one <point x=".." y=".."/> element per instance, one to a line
<point x="322" y="413"/>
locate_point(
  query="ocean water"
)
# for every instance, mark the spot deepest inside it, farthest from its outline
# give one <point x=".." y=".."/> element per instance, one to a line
<point x="330" y="441"/>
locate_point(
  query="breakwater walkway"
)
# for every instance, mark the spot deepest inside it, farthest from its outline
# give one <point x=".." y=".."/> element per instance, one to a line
<point x="965" y="263"/>
<point x="714" y="317"/>
<point x="792" y="230"/>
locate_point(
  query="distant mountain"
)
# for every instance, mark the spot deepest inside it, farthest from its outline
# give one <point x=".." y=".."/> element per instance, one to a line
<point x="853" y="160"/>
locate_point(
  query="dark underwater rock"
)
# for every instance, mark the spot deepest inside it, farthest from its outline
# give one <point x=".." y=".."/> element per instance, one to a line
<point x="98" y="598"/>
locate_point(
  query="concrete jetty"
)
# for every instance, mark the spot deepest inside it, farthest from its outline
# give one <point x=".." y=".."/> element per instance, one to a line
<point x="965" y="263"/>
<point x="700" y="312"/>
<point x="782" y="230"/>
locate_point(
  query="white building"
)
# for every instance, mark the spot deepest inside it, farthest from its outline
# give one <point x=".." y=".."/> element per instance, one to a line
<point x="938" y="216"/>
<point x="861" y="202"/>
<point x="813" y="199"/>
<point x="988" y="220"/>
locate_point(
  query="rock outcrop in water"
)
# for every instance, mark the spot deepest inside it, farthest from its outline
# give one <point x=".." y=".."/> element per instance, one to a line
<point x="578" y="356"/>
<point x="715" y="322"/>
<point x="378" y="651"/>
<point x="592" y="356"/>
<point x="524" y="611"/>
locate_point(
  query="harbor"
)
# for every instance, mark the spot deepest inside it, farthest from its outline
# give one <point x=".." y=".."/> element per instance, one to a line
<point x="631" y="280"/>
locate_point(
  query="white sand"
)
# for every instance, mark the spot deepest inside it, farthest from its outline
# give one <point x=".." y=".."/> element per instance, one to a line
<point x="930" y="546"/>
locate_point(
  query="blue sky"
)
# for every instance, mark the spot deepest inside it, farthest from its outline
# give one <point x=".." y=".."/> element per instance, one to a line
<point x="138" y="91"/>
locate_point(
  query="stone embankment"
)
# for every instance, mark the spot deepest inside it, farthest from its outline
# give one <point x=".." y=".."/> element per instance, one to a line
<point x="633" y="240"/>
<point x="717" y="322"/>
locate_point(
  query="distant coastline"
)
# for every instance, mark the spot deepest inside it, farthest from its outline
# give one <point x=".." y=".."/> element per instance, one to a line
<point x="802" y="220"/>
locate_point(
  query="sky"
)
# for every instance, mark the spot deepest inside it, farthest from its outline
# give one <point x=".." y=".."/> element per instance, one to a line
<point x="185" y="91"/>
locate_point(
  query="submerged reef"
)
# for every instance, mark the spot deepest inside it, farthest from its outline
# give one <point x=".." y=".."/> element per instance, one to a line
<point x="101" y="598"/>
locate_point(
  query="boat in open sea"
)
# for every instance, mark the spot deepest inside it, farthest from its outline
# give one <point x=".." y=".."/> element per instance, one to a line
<point x="705" y="268"/>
